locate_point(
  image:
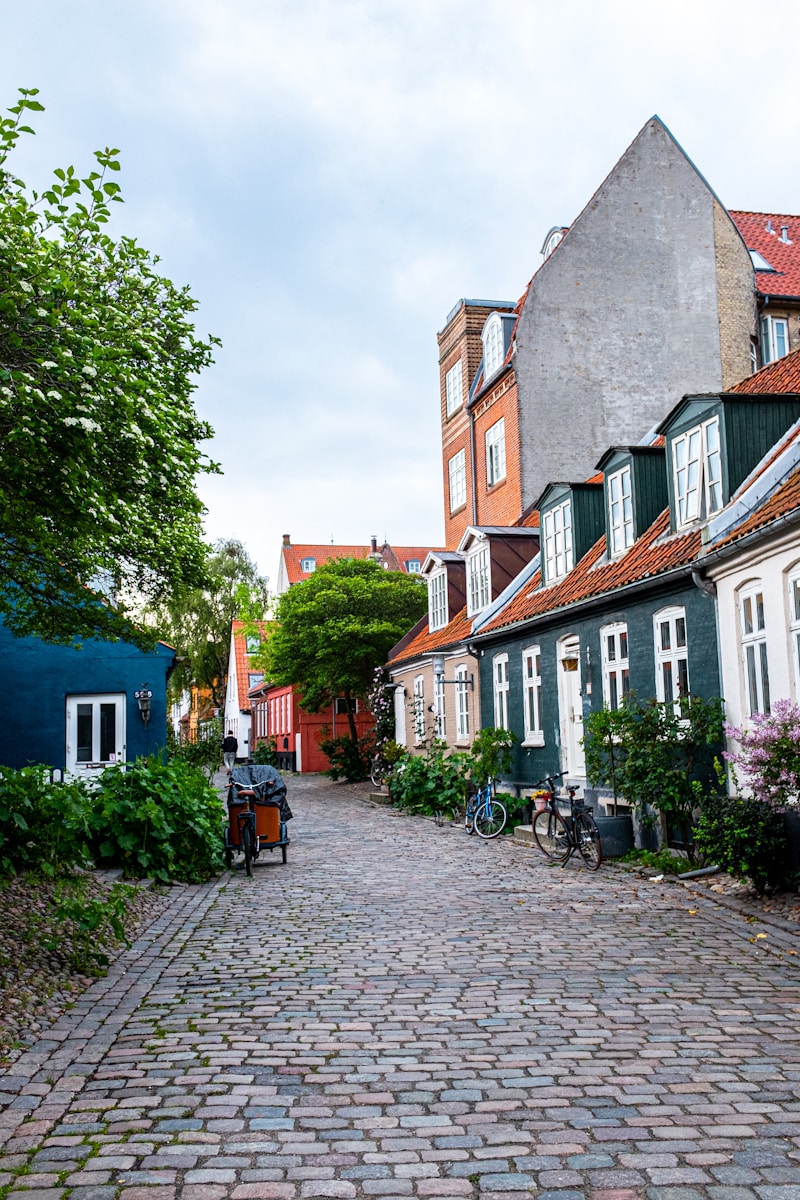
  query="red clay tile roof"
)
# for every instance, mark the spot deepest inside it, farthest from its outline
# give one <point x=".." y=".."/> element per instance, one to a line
<point x="426" y="642"/>
<point x="242" y="659"/>
<point x="784" y="500"/>
<point x="778" y="378"/>
<point x="783" y="256"/>
<point x="396" y="556"/>
<point x="653" y="554"/>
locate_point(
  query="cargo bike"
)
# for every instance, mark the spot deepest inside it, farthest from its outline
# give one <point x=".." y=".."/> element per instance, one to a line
<point x="257" y="814"/>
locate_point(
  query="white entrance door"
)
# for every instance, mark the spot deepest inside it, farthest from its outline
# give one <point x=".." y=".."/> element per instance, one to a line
<point x="570" y="707"/>
<point x="95" y="733"/>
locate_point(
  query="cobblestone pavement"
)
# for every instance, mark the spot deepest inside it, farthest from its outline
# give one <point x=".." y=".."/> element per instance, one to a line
<point x="403" y="1011"/>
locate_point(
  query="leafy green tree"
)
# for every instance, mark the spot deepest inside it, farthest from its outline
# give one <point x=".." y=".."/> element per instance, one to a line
<point x="337" y="626"/>
<point x="99" y="439"/>
<point x="197" y="621"/>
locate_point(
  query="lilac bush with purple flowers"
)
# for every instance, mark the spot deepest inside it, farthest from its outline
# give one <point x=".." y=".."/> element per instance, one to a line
<point x="767" y="762"/>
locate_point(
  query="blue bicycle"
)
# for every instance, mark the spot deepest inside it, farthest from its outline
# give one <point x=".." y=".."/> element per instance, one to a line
<point x="485" y="814"/>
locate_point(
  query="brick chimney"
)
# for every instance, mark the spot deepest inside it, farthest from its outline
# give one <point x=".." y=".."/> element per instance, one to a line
<point x="287" y="541"/>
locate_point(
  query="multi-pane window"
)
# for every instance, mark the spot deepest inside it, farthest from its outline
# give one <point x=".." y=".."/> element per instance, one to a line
<point x="532" y="693"/>
<point x="462" y="704"/>
<point x="620" y="512"/>
<point x="697" y="468"/>
<point x="774" y="339"/>
<point x="496" y="452"/>
<point x="616" y="673"/>
<point x="413" y="566"/>
<point x="419" y="709"/>
<point x="457" y="469"/>
<point x="454" y="388"/>
<point x="492" y="346"/>
<point x="308" y="565"/>
<point x="500" y="675"/>
<point x="437" y="600"/>
<point x="754" y="650"/>
<point x="478" y="580"/>
<point x="557" y="525"/>
<point x="794" y="625"/>
<point x="672" y="657"/>
<point x="439" y="724"/>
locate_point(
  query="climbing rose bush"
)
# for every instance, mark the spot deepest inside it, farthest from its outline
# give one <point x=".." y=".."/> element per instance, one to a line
<point x="767" y="762"/>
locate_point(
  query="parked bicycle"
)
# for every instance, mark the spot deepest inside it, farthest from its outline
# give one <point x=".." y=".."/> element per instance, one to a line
<point x="485" y="814"/>
<point x="559" y="837"/>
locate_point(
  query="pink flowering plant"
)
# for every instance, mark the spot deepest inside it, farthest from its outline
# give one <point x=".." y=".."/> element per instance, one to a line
<point x="767" y="762"/>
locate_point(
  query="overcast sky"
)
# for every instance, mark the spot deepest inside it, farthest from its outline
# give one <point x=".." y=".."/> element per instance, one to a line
<point x="329" y="177"/>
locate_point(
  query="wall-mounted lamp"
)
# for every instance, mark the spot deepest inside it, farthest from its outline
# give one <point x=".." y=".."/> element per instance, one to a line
<point x="143" y="697"/>
<point x="438" y="671"/>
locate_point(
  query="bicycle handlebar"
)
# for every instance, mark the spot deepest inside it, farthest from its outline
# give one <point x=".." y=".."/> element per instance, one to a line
<point x="550" y="779"/>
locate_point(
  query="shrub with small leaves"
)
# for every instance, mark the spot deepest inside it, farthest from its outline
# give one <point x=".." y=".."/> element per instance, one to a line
<point x="43" y="825"/>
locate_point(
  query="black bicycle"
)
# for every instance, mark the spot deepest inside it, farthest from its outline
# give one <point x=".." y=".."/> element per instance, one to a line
<point x="559" y="837"/>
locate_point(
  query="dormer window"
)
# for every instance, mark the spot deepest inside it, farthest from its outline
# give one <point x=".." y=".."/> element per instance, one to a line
<point x="478" y="592"/>
<point x="557" y="529"/>
<point x="413" y="566"/>
<point x="308" y="565"/>
<point x="493" y="348"/>
<point x="697" y="470"/>
<point x="437" y="600"/>
<point x="252" y="643"/>
<point x="454" y="388"/>
<point x="620" y="512"/>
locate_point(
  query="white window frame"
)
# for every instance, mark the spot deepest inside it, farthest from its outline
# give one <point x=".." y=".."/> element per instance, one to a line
<point x="462" y="704"/>
<point x="437" y="600"/>
<point x="457" y="474"/>
<point x="500" y="690"/>
<point x="308" y="565"/>
<point x="672" y="660"/>
<point x="532" y="695"/>
<point x="493" y="346"/>
<point x="478" y="579"/>
<point x="557" y="530"/>
<point x="794" y="625"/>
<point x="413" y="566"/>
<point x="614" y="654"/>
<point x="400" y="714"/>
<point x="620" y="511"/>
<point x="439" y="716"/>
<point x="755" y="658"/>
<point x="774" y="339"/>
<point x="418" y="710"/>
<point x="496" y="453"/>
<point x="697" y="472"/>
<point x="454" y="387"/>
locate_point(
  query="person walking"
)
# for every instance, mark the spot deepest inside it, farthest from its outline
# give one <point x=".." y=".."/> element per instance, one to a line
<point x="229" y="748"/>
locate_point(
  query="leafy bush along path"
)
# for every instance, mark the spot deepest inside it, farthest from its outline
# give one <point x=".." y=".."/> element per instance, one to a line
<point x="46" y="959"/>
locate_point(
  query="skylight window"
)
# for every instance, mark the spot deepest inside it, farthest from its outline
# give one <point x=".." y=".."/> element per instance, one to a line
<point x="759" y="262"/>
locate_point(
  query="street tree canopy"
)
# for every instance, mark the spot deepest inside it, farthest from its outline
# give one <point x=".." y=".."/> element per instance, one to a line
<point x="99" y="439"/>
<point x="337" y="626"/>
<point x="197" y="621"/>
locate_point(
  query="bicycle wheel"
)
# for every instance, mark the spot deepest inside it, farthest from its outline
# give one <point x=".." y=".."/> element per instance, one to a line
<point x="587" y="836"/>
<point x="551" y="834"/>
<point x="469" y="818"/>
<point x="490" y="819"/>
<point x="248" y="846"/>
<point x="376" y="772"/>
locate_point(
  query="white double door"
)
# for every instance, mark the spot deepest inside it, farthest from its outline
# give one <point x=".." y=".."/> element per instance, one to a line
<point x="95" y="733"/>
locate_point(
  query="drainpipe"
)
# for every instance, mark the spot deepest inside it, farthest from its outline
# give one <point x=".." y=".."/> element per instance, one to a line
<point x="472" y="467"/>
<point x="709" y="588"/>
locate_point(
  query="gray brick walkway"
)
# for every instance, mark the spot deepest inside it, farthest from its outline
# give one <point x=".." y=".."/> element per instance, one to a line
<point x="404" y="1011"/>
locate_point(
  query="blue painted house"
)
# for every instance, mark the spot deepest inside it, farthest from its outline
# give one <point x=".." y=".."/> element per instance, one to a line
<point x="75" y="708"/>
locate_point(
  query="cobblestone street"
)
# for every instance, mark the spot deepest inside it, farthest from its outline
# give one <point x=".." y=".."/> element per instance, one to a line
<point x="403" y="1011"/>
